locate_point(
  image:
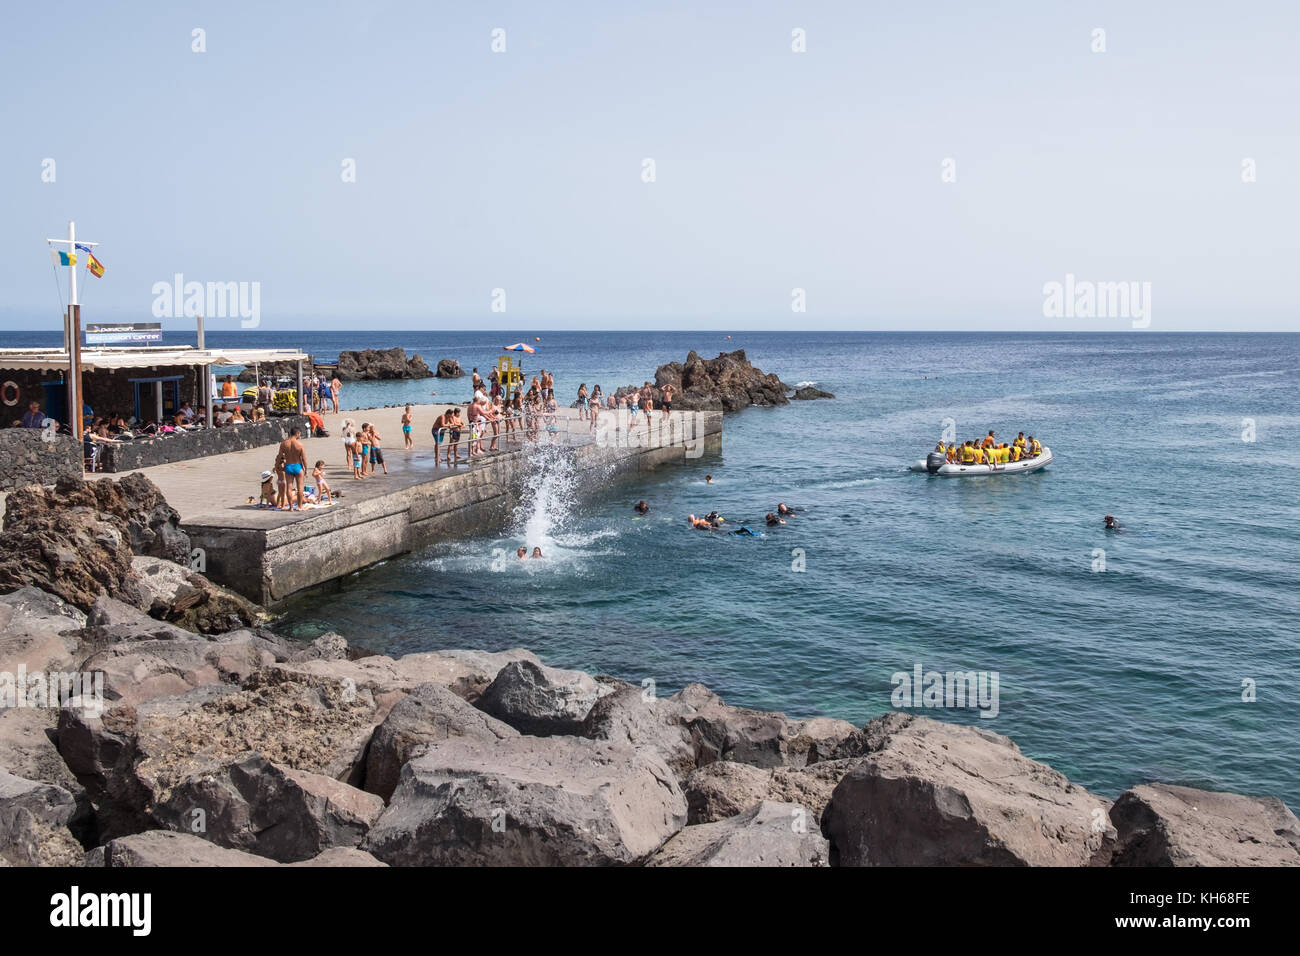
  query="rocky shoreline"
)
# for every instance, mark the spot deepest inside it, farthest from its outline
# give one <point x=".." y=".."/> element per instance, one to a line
<point x="218" y="742"/>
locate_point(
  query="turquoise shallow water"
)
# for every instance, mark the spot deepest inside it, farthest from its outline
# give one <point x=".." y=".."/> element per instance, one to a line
<point x="1114" y="678"/>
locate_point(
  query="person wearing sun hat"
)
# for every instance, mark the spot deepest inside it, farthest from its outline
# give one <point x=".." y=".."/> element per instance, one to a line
<point x="268" y="491"/>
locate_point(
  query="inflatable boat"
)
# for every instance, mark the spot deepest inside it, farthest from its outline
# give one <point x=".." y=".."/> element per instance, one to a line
<point x="937" y="463"/>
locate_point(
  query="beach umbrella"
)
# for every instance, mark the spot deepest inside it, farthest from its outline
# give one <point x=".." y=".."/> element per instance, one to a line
<point x="518" y="347"/>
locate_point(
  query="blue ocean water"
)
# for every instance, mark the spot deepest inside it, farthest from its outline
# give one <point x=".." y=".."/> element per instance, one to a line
<point x="1114" y="677"/>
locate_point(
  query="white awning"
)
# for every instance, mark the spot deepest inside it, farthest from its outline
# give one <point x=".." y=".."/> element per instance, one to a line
<point x="143" y="357"/>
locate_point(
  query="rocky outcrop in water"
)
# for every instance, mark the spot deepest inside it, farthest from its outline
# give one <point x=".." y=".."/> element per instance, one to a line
<point x="369" y="365"/>
<point x="727" y="383"/>
<point x="449" y="368"/>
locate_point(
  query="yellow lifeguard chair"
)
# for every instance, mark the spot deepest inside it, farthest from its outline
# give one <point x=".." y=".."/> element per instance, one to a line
<point x="510" y="374"/>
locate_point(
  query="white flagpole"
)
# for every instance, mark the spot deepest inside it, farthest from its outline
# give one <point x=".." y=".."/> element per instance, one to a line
<point x="73" y="327"/>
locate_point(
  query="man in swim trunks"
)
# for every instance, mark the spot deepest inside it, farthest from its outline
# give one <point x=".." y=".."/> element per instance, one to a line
<point x="454" y="427"/>
<point x="294" y="457"/>
<point x="376" y="453"/>
<point x="407" y="421"/>
<point x="667" y="403"/>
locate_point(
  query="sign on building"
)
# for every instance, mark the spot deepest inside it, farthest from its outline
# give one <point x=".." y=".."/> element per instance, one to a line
<point x="123" y="333"/>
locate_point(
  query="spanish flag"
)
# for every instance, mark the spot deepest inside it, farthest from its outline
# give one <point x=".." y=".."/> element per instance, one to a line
<point x="94" y="266"/>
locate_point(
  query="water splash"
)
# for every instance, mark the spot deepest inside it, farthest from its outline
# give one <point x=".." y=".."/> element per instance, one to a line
<point x="550" y="487"/>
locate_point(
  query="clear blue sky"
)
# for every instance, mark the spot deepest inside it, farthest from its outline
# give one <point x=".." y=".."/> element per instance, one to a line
<point x="775" y="170"/>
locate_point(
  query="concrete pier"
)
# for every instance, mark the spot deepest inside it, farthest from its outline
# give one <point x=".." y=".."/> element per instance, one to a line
<point x="269" y="556"/>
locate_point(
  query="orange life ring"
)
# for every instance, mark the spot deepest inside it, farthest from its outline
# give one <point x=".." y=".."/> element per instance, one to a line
<point x="10" y="393"/>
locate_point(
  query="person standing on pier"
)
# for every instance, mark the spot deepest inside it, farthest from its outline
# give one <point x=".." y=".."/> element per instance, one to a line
<point x="294" y="457"/>
<point x="408" y="420"/>
<point x="335" y="387"/>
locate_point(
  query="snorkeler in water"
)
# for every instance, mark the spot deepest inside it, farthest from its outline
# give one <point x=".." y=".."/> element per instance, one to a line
<point x="1110" y="524"/>
<point x="642" y="507"/>
<point x="700" y="524"/>
<point x="784" y="510"/>
<point x="774" y="519"/>
<point x="714" y="518"/>
<point x="742" y="530"/>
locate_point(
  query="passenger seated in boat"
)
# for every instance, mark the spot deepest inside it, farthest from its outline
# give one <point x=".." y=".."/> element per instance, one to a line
<point x="1015" y="452"/>
<point x="1035" y="447"/>
<point x="1019" y="442"/>
<point x="1004" y="453"/>
<point x="989" y="440"/>
<point x="969" y="455"/>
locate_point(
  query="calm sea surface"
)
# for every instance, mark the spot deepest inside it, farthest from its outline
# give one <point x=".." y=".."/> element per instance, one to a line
<point x="1113" y="677"/>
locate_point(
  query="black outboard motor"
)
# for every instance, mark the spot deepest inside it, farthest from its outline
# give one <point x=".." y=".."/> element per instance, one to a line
<point x="934" y="461"/>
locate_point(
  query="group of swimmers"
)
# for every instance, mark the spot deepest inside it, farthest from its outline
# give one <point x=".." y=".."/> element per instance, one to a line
<point x="990" y="451"/>
<point x="713" y="521"/>
<point x="522" y="553"/>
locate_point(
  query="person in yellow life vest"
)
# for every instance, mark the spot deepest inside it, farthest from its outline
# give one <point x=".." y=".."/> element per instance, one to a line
<point x="952" y="453"/>
<point x="1015" y="452"/>
<point x="1035" y="446"/>
<point x="1020" y="441"/>
<point x="967" y="454"/>
<point x="989" y="441"/>
<point x="1004" y="453"/>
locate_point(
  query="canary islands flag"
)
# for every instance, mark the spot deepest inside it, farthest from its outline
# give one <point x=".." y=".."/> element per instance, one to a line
<point x="63" y="258"/>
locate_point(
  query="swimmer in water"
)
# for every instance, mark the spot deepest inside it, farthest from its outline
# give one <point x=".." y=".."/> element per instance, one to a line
<point x="708" y="479"/>
<point x="537" y="553"/>
<point x="714" y="518"/>
<point x="742" y="530"/>
<point x="774" y="519"/>
<point x="642" y="507"/>
<point x="699" y="524"/>
<point x="783" y="510"/>
<point x="1111" y="524"/>
<point x="522" y="554"/>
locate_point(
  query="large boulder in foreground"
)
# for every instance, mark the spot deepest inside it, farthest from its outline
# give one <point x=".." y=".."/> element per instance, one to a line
<point x="938" y="794"/>
<point x="189" y="600"/>
<point x="723" y="789"/>
<point x="1162" y="824"/>
<point x="654" y="725"/>
<point x="429" y="713"/>
<point x="251" y="804"/>
<point x="767" y="834"/>
<point x="34" y="819"/>
<point x="128" y="758"/>
<point x="58" y="541"/>
<point x="540" y="700"/>
<point x="466" y="673"/>
<point x="166" y="848"/>
<point x="528" y="801"/>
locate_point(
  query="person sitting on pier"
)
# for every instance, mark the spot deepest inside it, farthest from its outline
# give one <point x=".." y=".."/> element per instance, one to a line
<point x="268" y="490"/>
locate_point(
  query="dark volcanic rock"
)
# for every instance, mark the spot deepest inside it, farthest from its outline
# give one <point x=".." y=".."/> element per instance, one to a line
<point x="181" y="596"/>
<point x="61" y="542"/>
<point x="375" y="365"/>
<point x="430" y="712"/>
<point x="728" y="382"/>
<point x="723" y="789"/>
<point x="528" y="801"/>
<point x="766" y="834"/>
<point x="1161" y="824"/>
<point x="938" y="794"/>
<point x="450" y="368"/>
<point x="540" y="700"/>
<point x="249" y="803"/>
<point x="808" y="393"/>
